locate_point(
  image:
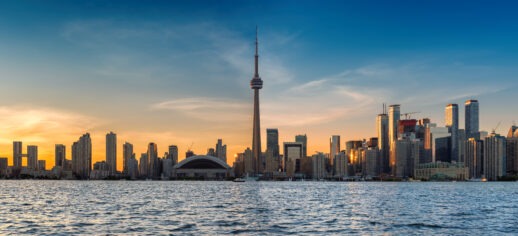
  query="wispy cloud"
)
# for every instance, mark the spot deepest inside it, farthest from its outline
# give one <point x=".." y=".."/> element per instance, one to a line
<point x="39" y="125"/>
<point x="207" y="108"/>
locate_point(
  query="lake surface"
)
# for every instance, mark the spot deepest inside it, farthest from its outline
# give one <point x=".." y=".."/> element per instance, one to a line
<point x="177" y="207"/>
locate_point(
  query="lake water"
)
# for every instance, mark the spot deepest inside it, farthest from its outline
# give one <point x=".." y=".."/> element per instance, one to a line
<point x="145" y="207"/>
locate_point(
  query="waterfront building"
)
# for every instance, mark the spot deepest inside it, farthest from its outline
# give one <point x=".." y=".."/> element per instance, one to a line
<point x="127" y="154"/>
<point x="256" y="84"/>
<point x="292" y="157"/>
<point x="474" y="157"/>
<point x="144" y="165"/>
<point x="3" y="166"/>
<point x="494" y="156"/>
<point x="318" y="164"/>
<point x="371" y="162"/>
<point x="239" y="164"/>
<point x="471" y="121"/>
<point x="334" y="148"/>
<point x="101" y="170"/>
<point x="341" y="165"/>
<point x="452" y="123"/>
<point x="42" y="165"/>
<point x="249" y="162"/>
<point x="512" y="151"/>
<point x="404" y="157"/>
<point x="202" y="167"/>
<point x="441" y="171"/>
<point x="303" y="138"/>
<point x="437" y="143"/>
<point x="167" y="168"/>
<point x="111" y="152"/>
<point x="132" y="167"/>
<point x="59" y="155"/>
<point x="273" y="164"/>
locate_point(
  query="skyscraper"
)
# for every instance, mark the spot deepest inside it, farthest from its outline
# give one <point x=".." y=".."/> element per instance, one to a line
<point x="60" y="155"/>
<point x="452" y="122"/>
<point x="221" y="151"/>
<point x="394" y="113"/>
<point x="382" y="122"/>
<point x="257" y="83"/>
<point x="471" y="118"/>
<point x="127" y="154"/>
<point x="17" y="154"/>
<point x="82" y="156"/>
<point x="302" y="138"/>
<point x="272" y="141"/>
<point x="32" y="157"/>
<point x="173" y="154"/>
<point x="382" y="126"/>
<point x="152" y="155"/>
<point x="494" y="156"/>
<point x="111" y="152"/>
<point x="474" y="157"/>
<point x="512" y="150"/>
<point x="292" y="158"/>
<point x="334" y="148"/>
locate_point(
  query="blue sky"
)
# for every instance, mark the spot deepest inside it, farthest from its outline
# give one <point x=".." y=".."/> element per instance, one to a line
<point x="178" y="71"/>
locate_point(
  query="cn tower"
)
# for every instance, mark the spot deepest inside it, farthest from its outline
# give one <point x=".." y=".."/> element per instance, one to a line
<point x="256" y="83"/>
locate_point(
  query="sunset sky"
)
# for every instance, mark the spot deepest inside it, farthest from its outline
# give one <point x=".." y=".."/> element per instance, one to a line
<point x="178" y="72"/>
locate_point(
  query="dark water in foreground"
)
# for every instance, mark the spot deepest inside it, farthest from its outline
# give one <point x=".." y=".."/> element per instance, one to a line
<point x="120" y="207"/>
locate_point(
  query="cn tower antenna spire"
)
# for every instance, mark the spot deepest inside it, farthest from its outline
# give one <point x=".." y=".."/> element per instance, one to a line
<point x="256" y="75"/>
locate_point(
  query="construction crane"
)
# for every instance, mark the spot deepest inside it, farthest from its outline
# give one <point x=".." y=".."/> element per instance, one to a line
<point x="407" y="115"/>
<point x="497" y="125"/>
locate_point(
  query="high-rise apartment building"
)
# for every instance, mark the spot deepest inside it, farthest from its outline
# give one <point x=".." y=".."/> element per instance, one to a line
<point x="292" y="157"/>
<point x="319" y="166"/>
<point x="32" y="157"/>
<point x="17" y="154"/>
<point x="471" y="121"/>
<point x="334" y="148"/>
<point x="474" y="157"/>
<point x="111" y="152"/>
<point x="494" y="156"/>
<point x="382" y="127"/>
<point x="512" y="150"/>
<point x="452" y="122"/>
<point x="302" y="138"/>
<point x="394" y="114"/>
<point x="127" y="154"/>
<point x="173" y="153"/>
<point x="82" y="157"/>
<point x="153" y="166"/>
<point x="60" y="155"/>
<point x="272" y="141"/>
<point x="221" y="150"/>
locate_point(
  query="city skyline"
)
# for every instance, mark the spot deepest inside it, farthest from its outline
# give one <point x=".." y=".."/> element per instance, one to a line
<point x="96" y="72"/>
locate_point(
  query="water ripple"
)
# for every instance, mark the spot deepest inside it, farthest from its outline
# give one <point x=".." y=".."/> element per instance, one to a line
<point x="278" y="208"/>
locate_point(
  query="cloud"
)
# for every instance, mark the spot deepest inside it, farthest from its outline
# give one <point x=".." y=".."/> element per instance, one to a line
<point x="40" y="125"/>
<point x="207" y="108"/>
